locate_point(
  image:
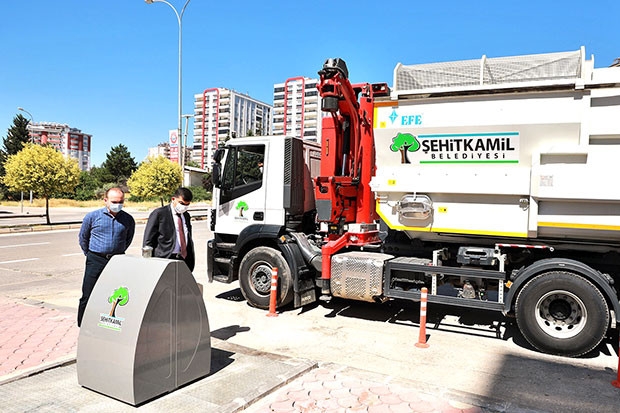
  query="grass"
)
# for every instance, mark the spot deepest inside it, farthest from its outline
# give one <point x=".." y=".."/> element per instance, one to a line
<point x="37" y="202"/>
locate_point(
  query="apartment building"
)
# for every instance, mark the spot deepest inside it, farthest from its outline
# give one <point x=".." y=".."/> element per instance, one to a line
<point x="162" y="149"/>
<point x="297" y="108"/>
<point x="221" y="114"/>
<point x="71" y="142"/>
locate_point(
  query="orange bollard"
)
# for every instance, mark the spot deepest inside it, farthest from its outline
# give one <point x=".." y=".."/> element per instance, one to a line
<point x="422" y="339"/>
<point x="273" y="296"/>
<point x="616" y="383"/>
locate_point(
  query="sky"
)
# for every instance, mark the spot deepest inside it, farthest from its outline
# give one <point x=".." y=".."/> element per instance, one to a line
<point x="110" y="67"/>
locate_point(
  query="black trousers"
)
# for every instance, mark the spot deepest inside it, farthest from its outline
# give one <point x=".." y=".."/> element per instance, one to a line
<point x="94" y="267"/>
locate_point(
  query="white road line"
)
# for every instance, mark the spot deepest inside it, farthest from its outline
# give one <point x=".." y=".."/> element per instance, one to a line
<point x="72" y="255"/>
<point x="27" y="259"/>
<point x="24" y="245"/>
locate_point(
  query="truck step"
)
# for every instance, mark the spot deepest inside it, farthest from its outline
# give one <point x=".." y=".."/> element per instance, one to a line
<point x="222" y="260"/>
<point x="442" y="299"/>
<point x="222" y="278"/>
<point x="225" y="246"/>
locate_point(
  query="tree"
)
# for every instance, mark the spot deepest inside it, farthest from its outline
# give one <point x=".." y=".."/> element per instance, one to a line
<point x="87" y="186"/>
<point x="43" y="170"/>
<point x="102" y="176"/>
<point x="17" y="135"/>
<point x="156" y="177"/>
<point x="119" y="163"/>
<point x="192" y="163"/>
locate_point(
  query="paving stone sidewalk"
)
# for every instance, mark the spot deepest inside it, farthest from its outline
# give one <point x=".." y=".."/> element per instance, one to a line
<point x="34" y="337"/>
<point x="338" y="389"/>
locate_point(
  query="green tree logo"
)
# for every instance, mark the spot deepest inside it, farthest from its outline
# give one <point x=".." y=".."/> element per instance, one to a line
<point x="242" y="206"/>
<point x="120" y="296"/>
<point x="404" y="142"/>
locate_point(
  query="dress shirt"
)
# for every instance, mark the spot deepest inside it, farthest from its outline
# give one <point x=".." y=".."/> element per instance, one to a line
<point x="177" y="245"/>
<point x="105" y="233"/>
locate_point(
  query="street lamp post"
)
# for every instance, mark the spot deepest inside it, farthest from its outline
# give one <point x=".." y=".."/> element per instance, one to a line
<point x="31" y="140"/>
<point x="180" y="21"/>
<point x="185" y="137"/>
<point x="29" y="114"/>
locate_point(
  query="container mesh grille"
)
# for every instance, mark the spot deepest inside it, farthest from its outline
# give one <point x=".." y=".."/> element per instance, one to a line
<point x="489" y="71"/>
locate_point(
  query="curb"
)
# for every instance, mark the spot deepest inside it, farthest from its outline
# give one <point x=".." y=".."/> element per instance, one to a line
<point x="61" y="362"/>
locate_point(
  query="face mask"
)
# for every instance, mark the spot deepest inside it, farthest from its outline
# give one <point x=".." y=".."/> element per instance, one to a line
<point x="180" y="208"/>
<point x="116" y="208"/>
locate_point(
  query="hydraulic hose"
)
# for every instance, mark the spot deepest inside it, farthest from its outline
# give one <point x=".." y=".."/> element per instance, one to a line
<point x="311" y="253"/>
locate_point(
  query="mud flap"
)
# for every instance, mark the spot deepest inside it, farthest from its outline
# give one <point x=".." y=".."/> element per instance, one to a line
<point x="303" y="278"/>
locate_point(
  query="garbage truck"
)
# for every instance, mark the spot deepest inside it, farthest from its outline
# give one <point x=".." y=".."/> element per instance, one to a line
<point x="489" y="182"/>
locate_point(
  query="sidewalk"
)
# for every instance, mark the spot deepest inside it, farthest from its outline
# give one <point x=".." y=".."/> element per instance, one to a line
<point x="37" y="355"/>
<point x="34" y="338"/>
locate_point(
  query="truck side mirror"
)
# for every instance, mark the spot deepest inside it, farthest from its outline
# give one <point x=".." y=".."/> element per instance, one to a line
<point x="216" y="175"/>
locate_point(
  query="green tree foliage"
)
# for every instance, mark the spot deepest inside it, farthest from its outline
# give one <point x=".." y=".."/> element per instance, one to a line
<point x="155" y="177"/>
<point x="119" y="164"/>
<point x="93" y="184"/>
<point x="199" y="193"/>
<point x="87" y="187"/>
<point x="43" y="170"/>
<point x="102" y="176"/>
<point x="17" y="135"/>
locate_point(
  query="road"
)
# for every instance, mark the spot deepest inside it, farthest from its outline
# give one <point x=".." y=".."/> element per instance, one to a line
<point x="473" y="352"/>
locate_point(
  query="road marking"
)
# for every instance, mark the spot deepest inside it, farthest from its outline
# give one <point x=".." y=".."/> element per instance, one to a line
<point x="72" y="255"/>
<point x="27" y="259"/>
<point x="24" y="245"/>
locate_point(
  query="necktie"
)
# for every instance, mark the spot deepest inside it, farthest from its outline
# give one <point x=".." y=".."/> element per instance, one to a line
<point x="181" y="236"/>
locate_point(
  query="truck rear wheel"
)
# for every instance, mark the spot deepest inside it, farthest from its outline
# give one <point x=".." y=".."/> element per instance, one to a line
<point x="255" y="277"/>
<point x="562" y="313"/>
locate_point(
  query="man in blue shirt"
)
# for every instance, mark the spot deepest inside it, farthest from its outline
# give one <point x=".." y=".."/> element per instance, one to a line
<point x="105" y="232"/>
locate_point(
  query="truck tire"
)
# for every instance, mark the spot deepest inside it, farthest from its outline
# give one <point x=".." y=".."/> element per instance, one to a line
<point x="562" y="313"/>
<point x="255" y="277"/>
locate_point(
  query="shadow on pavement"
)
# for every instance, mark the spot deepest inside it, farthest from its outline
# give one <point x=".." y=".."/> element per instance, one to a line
<point x="225" y="333"/>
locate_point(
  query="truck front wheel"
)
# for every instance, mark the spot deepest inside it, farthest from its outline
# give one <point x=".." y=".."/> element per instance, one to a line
<point x="255" y="277"/>
<point x="562" y="313"/>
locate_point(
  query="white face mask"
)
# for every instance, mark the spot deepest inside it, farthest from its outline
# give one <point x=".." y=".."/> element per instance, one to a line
<point x="115" y="208"/>
<point x="180" y="208"/>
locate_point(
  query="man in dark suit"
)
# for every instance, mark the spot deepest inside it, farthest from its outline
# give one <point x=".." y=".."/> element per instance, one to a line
<point x="162" y="230"/>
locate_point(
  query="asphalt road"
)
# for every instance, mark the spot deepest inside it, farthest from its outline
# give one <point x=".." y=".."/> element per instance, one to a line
<point x="473" y="352"/>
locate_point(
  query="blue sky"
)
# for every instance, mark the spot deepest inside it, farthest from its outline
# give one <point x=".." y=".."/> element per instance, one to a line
<point x="109" y="67"/>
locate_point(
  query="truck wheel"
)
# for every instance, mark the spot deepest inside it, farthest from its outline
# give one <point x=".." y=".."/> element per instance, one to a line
<point x="562" y="313"/>
<point x="255" y="277"/>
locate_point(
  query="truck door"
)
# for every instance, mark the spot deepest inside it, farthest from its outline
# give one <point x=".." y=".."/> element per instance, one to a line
<point x="242" y="191"/>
